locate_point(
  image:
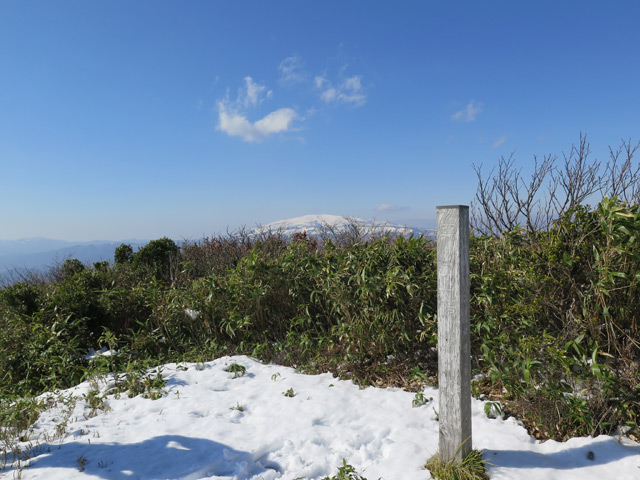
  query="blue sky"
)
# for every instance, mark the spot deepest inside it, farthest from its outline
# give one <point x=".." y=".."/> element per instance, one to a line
<point x="141" y="119"/>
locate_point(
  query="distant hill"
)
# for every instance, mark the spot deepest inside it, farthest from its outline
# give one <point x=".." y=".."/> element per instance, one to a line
<point x="316" y="225"/>
<point x="43" y="253"/>
<point x="33" y="245"/>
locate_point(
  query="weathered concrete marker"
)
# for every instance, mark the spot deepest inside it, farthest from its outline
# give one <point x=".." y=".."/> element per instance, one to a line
<point x="454" y="342"/>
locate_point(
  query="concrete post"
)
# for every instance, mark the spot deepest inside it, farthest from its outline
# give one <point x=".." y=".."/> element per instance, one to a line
<point x="454" y="339"/>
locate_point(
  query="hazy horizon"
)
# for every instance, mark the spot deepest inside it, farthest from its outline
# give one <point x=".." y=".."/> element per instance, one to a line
<point x="258" y="226"/>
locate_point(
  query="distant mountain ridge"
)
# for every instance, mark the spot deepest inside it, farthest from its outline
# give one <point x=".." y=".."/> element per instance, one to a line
<point x="316" y="225"/>
<point x="33" y="245"/>
<point x="42" y="253"/>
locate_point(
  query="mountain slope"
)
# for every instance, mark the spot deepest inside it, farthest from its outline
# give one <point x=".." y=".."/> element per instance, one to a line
<point x="317" y="225"/>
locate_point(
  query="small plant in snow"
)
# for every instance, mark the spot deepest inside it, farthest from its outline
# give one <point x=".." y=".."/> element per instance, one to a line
<point x="95" y="402"/>
<point x="153" y="386"/>
<point x="493" y="409"/>
<point x="136" y="382"/>
<point x="237" y="370"/>
<point x="346" y="472"/>
<point x="289" y="393"/>
<point x="420" y="399"/>
<point x="81" y="461"/>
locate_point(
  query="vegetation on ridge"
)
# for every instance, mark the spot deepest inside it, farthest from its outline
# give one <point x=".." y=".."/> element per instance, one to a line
<point x="554" y="314"/>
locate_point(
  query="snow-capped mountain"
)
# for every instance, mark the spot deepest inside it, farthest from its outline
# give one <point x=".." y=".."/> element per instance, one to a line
<point x="318" y="225"/>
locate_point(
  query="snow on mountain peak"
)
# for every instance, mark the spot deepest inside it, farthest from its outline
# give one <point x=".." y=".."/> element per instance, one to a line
<point x="309" y="223"/>
<point x="317" y="224"/>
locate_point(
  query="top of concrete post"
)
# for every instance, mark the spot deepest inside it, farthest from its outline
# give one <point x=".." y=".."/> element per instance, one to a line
<point x="452" y="206"/>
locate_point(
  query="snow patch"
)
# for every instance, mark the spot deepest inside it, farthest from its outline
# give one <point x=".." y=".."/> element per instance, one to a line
<point x="210" y="425"/>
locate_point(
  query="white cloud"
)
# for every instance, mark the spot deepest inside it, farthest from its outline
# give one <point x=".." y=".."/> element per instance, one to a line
<point x="235" y="116"/>
<point x="469" y="113"/>
<point x="236" y="124"/>
<point x="385" y="207"/>
<point x="349" y="91"/>
<point x="277" y="121"/>
<point x="353" y="84"/>
<point x="320" y="80"/>
<point x="253" y="92"/>
<point x="291" y="70"/>
<point x="329" y="95"/>
<point x="499" y="141"/>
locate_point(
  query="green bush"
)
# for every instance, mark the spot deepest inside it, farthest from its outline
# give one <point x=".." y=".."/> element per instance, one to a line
<point x="37" y="355"/>
<point x="157" y="258"/>
<point x="123" y="254"/>
<point x="555" y="322"/>
<point x="25" y="298"/>
<point x="71" y="267"/>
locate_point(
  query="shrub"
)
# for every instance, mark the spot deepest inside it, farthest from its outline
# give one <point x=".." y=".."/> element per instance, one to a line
<point x="218" y="255"/>
<point x="123" y="254"/>
<point x="37" y="355"/>
<point x="25" y="298"/>
<point x="555" y="321"/>
<point x="157" y="258"/>
<point x="70" y="267"/>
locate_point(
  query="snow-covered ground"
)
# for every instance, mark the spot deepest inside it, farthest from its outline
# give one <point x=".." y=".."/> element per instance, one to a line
<point x="210" y="425"/>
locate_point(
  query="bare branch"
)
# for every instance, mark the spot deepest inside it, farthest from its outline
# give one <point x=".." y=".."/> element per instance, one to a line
<point x="578" y="179"/>
<point x="621" y="177"/>
<point x="505" y="199"/>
